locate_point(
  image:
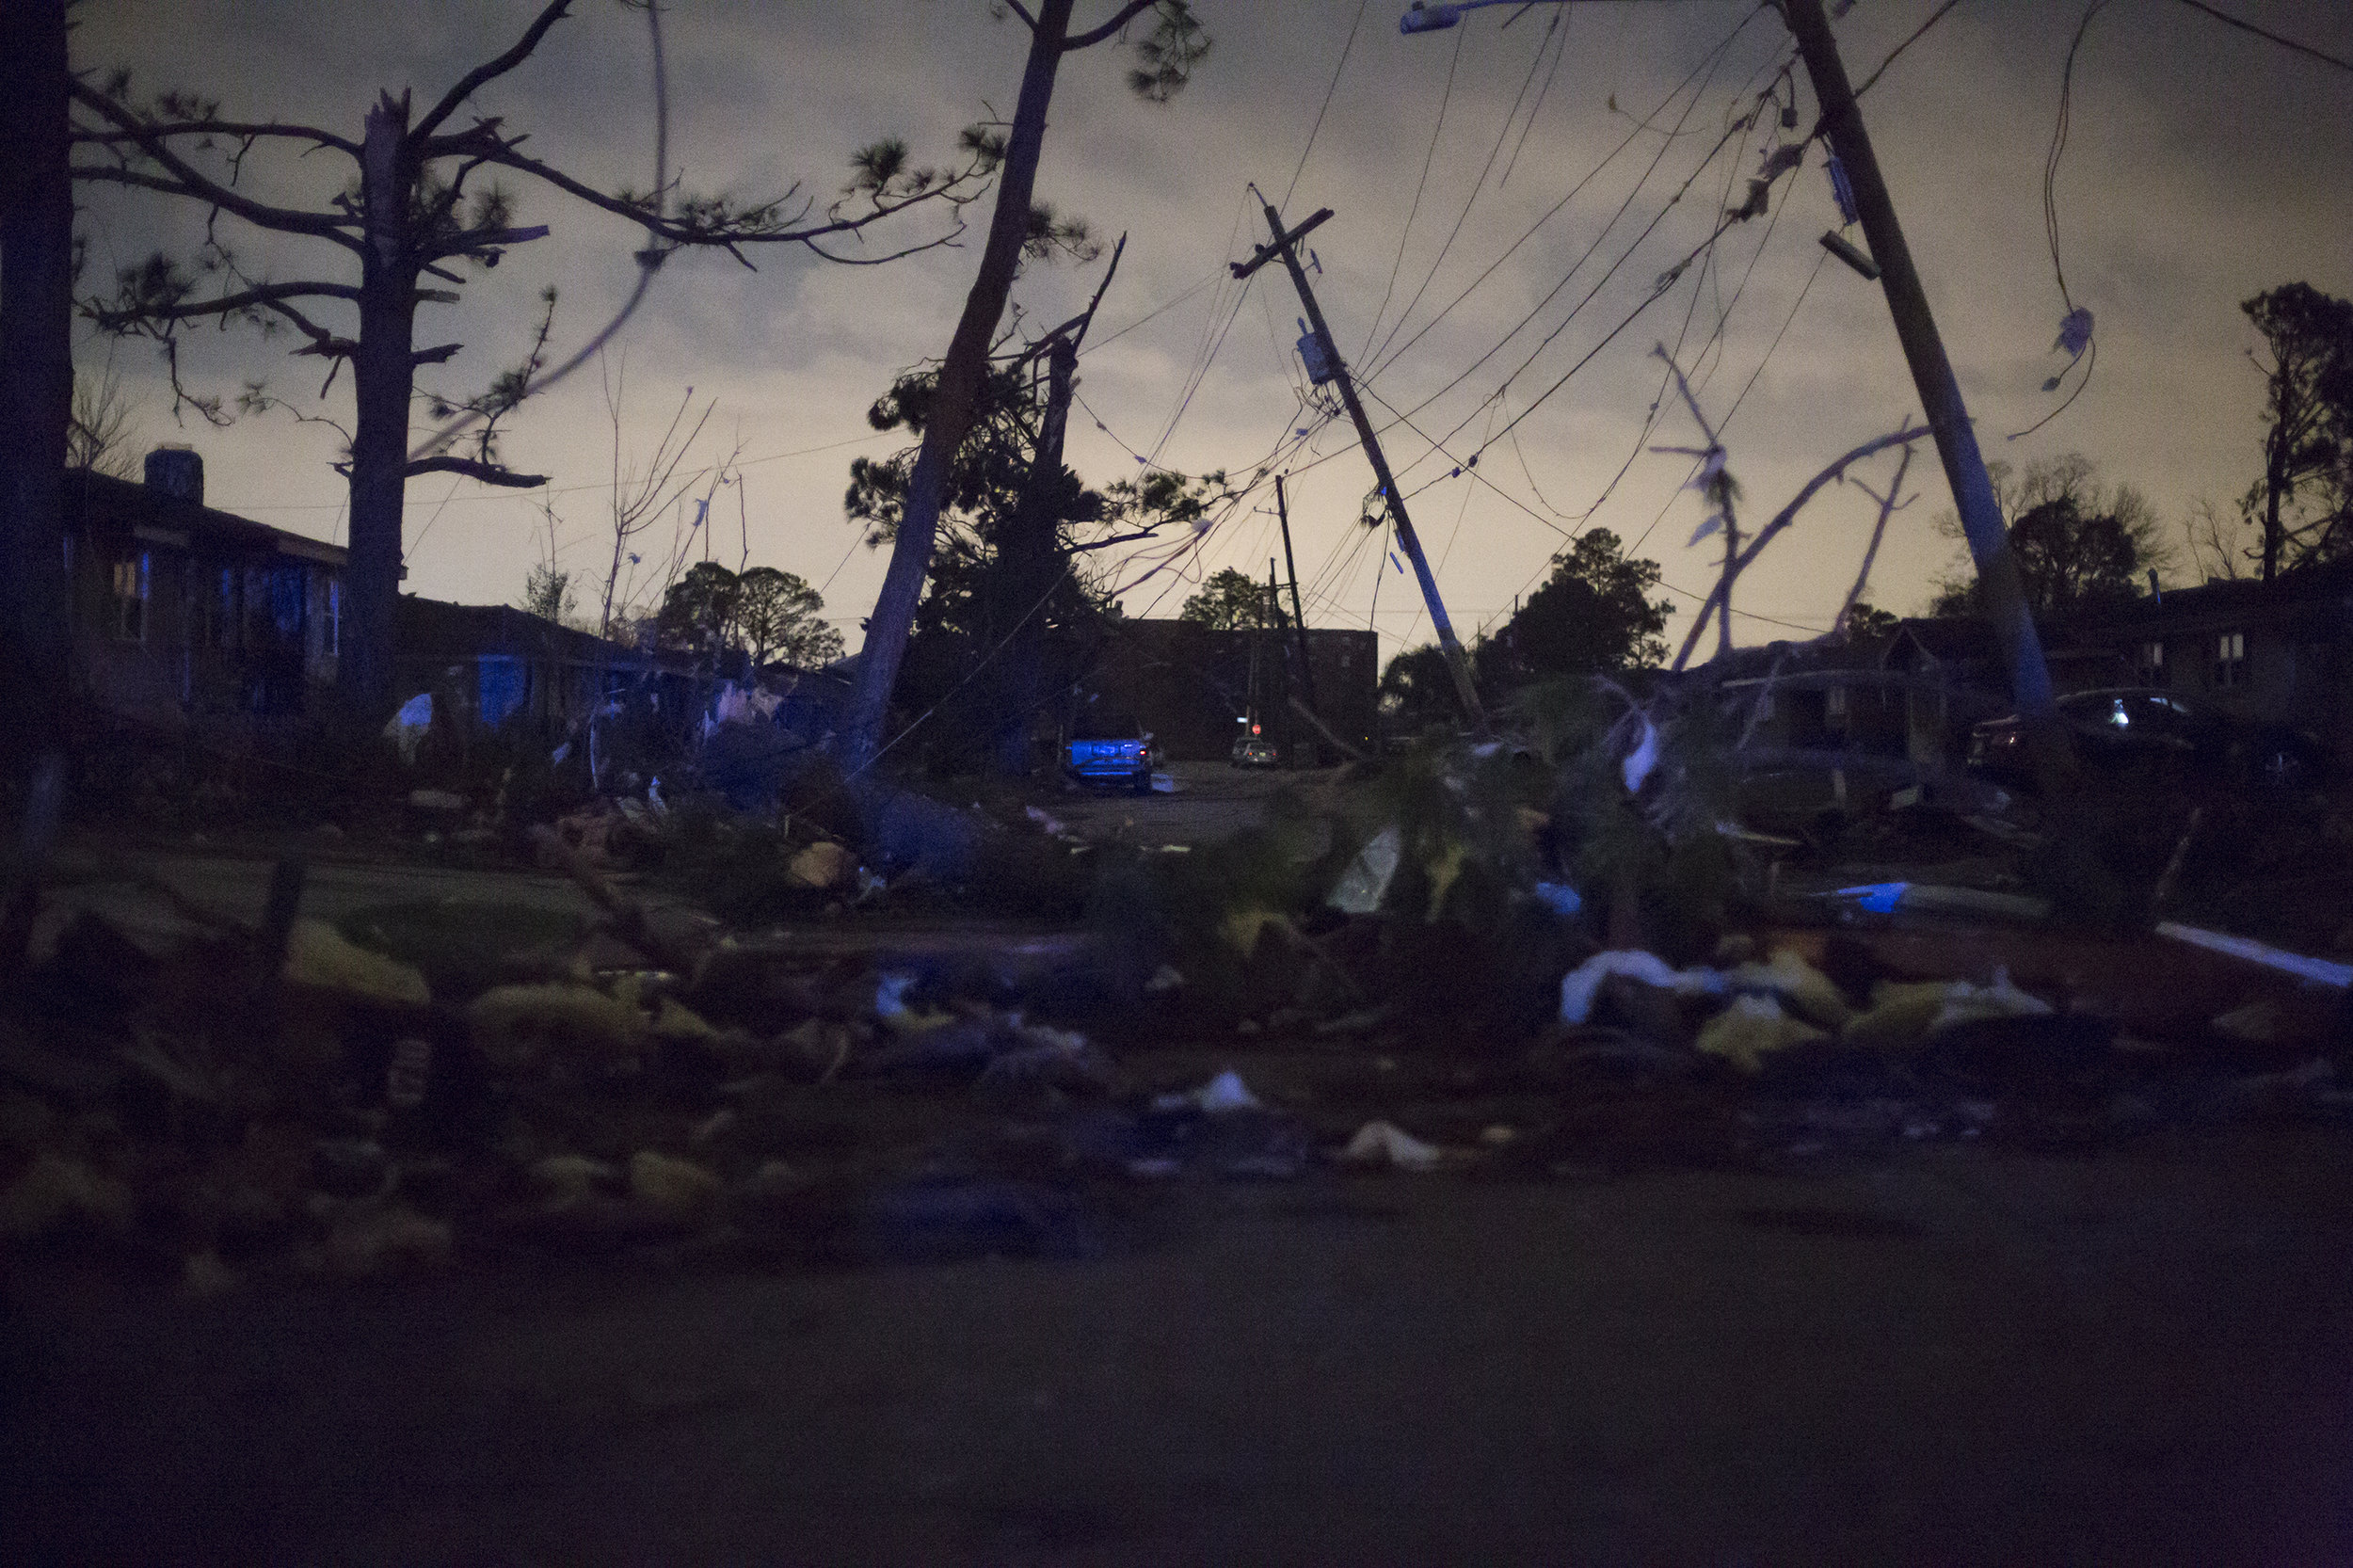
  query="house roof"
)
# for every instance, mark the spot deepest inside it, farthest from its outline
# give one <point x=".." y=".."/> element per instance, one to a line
<point x="2302" y="591"/>
<point x="103" y="503"/>
<point x="432" y="629"/>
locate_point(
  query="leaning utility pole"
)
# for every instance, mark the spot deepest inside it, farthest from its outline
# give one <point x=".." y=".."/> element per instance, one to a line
<point x="1284" y="245"/>
<point x="1924" y="351"/>
<point x="1940" y="393"/>
<point x="1298" y="615"/>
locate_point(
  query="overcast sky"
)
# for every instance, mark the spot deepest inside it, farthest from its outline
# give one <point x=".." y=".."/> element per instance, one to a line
<point x="2202" y="166"/>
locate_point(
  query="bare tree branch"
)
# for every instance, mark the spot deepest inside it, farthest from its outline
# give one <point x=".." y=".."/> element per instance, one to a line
<point x="242" y="129"/>
<point x="753" y="225"/>
<point x="467" y="241"/>
<point x="193" y="183"/>
<point x="272" y="296"/>
<point x="1094" y="36"/>
<point x="1714" y="601"/>
<point x="489" y="474"/>
<point x="489" y="71"/>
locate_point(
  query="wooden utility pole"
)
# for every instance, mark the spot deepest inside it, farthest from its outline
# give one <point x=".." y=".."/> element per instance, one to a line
<point x="1298" y="615"/>
<point x="1940" y="393"/>
<point x="1284" y="245"/>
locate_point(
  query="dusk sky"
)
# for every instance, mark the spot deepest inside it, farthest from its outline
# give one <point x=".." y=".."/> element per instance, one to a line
<point x="2202" y="166"/>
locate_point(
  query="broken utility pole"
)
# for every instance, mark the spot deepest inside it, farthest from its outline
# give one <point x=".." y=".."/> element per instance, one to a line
<point x="1298" y="615"/>
<point x="1284" y="245"/>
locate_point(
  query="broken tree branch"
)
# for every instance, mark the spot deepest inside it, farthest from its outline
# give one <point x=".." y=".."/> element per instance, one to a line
<point x="1782" y="520"/>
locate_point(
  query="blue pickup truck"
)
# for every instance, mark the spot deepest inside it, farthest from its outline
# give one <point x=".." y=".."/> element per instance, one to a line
<point x="1110" y="748"/>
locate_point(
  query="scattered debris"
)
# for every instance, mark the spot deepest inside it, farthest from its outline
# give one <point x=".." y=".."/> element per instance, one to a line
<point x="1224" y="1093"/>
<point x="1385" y="1144"/>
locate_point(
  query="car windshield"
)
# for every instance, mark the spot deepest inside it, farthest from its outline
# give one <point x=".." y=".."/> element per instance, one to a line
<point x="1106" y="727"/>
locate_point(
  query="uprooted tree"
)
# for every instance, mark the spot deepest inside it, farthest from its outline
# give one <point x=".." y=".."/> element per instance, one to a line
<point x="1166" y="57"/>
<point x="412" y="207"/>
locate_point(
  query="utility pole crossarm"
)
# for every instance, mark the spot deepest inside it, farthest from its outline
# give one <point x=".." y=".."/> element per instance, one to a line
<point x="1281" y="242"/>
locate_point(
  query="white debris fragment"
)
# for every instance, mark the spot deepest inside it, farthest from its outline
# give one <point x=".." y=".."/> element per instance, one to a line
<point x="1386" y="1143"/>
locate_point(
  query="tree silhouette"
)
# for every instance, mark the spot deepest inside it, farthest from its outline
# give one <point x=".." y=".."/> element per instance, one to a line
<point x="978" y="594"/>
<point x="415" y="205"/>
<point x="1233" y="600"/>
<point x="2079" y="544"/>
<point x="2308" y="427"/>
<point x="1591" y="616"/>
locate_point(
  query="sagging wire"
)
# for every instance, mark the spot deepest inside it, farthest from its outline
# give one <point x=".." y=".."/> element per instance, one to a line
<point x="1665" y="282"/>
<point x="1704" y="72"/>
<point x="2075" y="327"/>
<point x="1477" y="186"/>
<point x="1559" y="26"/>
<point x="1326" y="106"/>
<point x="1413" y="209"/>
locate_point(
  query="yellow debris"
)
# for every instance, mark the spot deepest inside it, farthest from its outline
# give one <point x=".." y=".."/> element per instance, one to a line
<point x="54" y="1190"/>
<point x="1900" y="1016"/>
<point x="1803" y="989"/>
<point x="514" y="1024"/>
<point x="570" y="1178"/>
<point x="317" y="956"/>
<point x="824" y="865"/>
<point x="1753" y="1028"/>
<point x="677" y="1185"/>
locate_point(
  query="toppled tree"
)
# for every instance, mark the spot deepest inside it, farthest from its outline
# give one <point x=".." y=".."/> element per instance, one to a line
<point x="412" y="207"/>
<point x="1233" y="600"/>
<point x="1166" y="57"/>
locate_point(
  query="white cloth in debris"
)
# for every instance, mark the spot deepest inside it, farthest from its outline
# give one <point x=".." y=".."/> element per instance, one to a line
<point x="1584" y="981"/>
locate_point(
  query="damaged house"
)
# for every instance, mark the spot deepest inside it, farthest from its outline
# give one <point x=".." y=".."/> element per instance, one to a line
<point x="184" y="617"/>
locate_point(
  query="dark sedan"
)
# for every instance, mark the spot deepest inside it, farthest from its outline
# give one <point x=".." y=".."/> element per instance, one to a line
<point x="2159" y="732"/>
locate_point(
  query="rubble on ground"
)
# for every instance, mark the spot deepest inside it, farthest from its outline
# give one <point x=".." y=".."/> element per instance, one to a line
<point x="1558" y="959"/>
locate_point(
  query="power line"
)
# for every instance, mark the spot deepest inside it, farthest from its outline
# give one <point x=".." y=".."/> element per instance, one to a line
<point x="1708" y="64"/>
<point x="1477" y="186"/>
<point x="2245" y="26"/>
<point x="1327" y="104"/>
<point x="1917" y="33"/>
<point x="1413" y="209"/>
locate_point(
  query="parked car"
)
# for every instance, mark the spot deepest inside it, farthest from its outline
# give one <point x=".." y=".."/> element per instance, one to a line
<point x="2162" y="731"/>
<point x="1110" y="748"/>
<point x="1255" y="751"/>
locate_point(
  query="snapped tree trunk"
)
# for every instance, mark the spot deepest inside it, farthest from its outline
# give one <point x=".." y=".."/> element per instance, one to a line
<point x="1032" y="566"/>
<point x="960" y="379"/>
<point x="382" y="376"/>
<point x="35" y="385"/>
